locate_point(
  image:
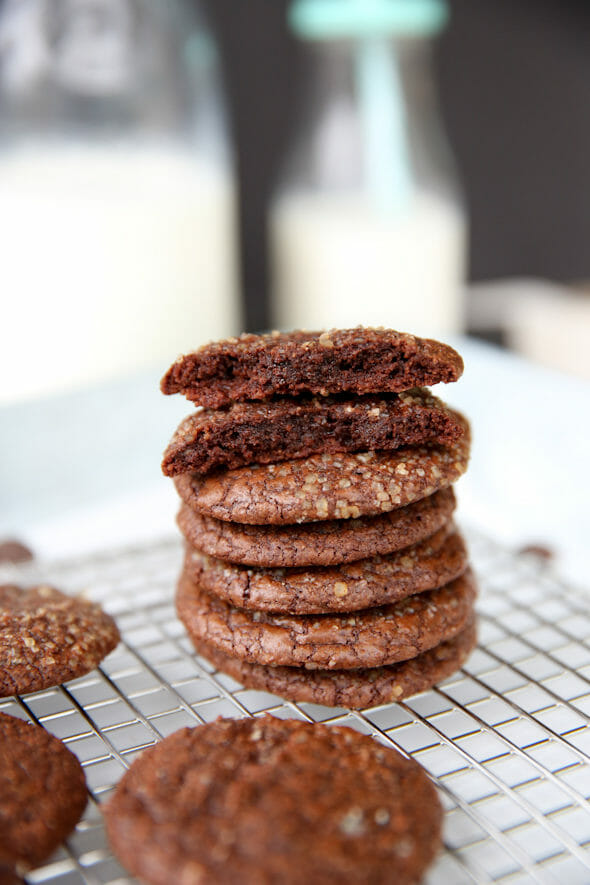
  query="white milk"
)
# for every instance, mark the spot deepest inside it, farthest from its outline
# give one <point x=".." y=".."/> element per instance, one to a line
<point x="110" y="261"/>
<point x="338" y="261"/>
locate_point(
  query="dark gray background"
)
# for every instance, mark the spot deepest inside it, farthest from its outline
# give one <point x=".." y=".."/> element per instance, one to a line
<point x="514" y="80"/>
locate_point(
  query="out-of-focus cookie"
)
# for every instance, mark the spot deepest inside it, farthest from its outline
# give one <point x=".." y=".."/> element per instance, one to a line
<point x="47" y="638"/>
<point x="42" y="793"/>
<point x="270" y="800"/>
<point x="358" y="361"/>
<point x="14" y="551"/>
<point x="380" y="580"/>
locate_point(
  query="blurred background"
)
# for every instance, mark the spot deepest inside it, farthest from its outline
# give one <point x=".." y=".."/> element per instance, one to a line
<point x="174" y="172"/>
<point x="513" y="82"/>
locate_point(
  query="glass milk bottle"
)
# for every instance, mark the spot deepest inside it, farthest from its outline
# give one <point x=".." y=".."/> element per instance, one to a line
<point x="117" y="215"/>
<point x="366" y="225"/>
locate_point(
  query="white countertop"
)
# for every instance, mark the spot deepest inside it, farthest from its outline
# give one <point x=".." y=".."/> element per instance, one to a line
<point x="80" y="472"/>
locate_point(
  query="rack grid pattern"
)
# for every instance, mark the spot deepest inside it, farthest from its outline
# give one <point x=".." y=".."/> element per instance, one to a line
<point x="506" y="740"/>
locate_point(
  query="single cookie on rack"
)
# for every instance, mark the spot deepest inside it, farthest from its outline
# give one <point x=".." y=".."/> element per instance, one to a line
<point x="380" y="580"/>
<point x="47" y="638"/>
<point x="329" y="542"/>
<point x="355" y="689"/>
<point x="42" y="793"/>
<point x="369" y="638"/>
<point x="269" y="800"/>
<point x="332" y="486"/>
<point x="285" y="428"/>
<point x="359" y="361"/>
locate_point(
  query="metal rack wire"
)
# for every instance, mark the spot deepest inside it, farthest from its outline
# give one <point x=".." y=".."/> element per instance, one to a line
<point x="506" y="740"/>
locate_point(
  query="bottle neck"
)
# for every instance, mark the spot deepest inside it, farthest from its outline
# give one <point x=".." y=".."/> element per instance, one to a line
<point x="370" y="120"/>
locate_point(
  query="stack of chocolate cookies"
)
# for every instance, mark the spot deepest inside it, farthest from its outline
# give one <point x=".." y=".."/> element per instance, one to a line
<point x="322" y="562"/>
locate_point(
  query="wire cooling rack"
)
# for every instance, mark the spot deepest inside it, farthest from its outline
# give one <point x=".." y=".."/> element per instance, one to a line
<point x="506" y="740"/>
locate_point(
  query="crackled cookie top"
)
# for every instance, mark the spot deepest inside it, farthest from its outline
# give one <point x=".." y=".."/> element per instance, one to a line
<point x="261" y="801"/>
<point x="365" y="583"/>
<point x="330" y="542"/>
<point x="354" y="689"/>
<point x="47" y="638"/>
<point x="368" y="638"/>
<point x="42" y="793"/>
<point x="360" y="360"/>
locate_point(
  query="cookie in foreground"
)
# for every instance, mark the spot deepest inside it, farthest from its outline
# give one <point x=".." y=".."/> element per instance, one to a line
<point x="261" y="801"/>
<point x="42" y="793"/>
<point x="47" y="637"/>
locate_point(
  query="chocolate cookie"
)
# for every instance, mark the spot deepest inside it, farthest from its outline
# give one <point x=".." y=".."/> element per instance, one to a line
<point x="262" y="801"/>
<point x="317" y="543"/>
<point x="320" y="487"/>
<point x="354" y="689"/>
<point x="357" y="361"/>
<point x="365" y="583"/>
<point x="47" y="638"/>
<point x="42" y="793"/>
<point x="281" y="429"/>
<point x="370" y="638"/>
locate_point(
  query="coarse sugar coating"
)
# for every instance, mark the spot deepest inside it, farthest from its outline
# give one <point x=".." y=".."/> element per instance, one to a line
<point x="331" y="542"/>
<point x="360" y="360"/>
<point x="285" y="428"/>
<point x="369" y="638"/>
<point x="42" y="793"/>
<point x="263" y="801"/>
<point x="47" y="637"/>
<point x="353" y="689"/>
<point x="328" y="486"/>
<point x="366" y="583"/>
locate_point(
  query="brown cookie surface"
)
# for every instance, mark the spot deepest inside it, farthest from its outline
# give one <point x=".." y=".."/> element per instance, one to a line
<point x="47" y="638"/>
<point x="359" y="361"/>
<point x="285" y="428"/>
<point x="354" y="689"/>
<point x="368" y="638"/>
<point x="320" y="487"/>
<point x="317" y="543"/>
<point x="365" y="583"/>
<point x="263" y="801"/>
<point x="42" y="793"/>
